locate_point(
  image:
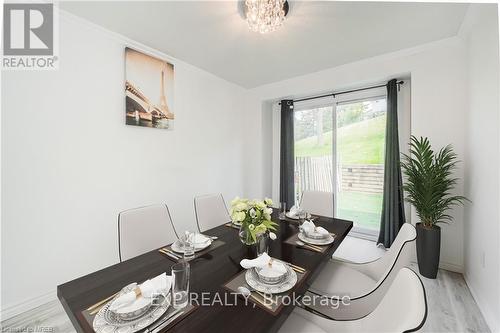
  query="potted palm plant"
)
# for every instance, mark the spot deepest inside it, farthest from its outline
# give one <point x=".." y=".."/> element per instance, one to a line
<point x="429" y="185"/>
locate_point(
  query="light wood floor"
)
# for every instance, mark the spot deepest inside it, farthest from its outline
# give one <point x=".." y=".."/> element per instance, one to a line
<point x="49" y="318"/>
<point x="451" y="309"/>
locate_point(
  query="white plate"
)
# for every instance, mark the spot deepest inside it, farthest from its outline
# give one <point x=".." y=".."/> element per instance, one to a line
<point x="295" y="217"/>
<point x="134" y="310"/>
<point x="106" y="321"/>
<point x="254" y="282"/>
<point x="176" y="246"/>
<point x="325" y="241"/>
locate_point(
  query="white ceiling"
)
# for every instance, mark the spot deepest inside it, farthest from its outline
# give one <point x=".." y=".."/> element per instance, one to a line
<point x="317" y="35"/>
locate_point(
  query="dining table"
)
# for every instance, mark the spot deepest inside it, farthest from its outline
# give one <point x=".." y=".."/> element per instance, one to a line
<point x="209" y="274"/>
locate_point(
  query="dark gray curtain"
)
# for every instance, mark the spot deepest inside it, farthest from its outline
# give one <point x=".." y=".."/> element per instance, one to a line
<point x="393" y="215"/>
<point x="287" y="158"/>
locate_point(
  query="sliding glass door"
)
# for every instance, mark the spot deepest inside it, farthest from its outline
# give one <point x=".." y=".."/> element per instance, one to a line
<point x="313" y="130"/>
<point x="360" y="162"/>
<point x="339" y="147"/>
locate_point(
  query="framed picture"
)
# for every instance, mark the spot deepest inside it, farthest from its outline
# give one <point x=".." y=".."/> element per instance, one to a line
<point x="149" y="90"/>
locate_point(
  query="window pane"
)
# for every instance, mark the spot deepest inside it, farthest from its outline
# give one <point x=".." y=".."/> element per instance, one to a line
<point x="313" y="150"/>
<point x="360" y="162"/>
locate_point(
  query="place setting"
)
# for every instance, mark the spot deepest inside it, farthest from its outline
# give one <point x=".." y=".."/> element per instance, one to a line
<point x="311" y="237"/>
<point x="149" y="307"/>
<point x="266" y="280"/>
<point x="233" y="224"/>
<point x="262" y="275"/>
<point x="191" y="245"/>
<point x="296" y="213"/>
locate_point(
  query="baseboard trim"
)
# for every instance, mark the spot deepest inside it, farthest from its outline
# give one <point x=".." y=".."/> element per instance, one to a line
<point x="446" y="266"/>
<point x="27" y="305"/>
<point x="361" y="235"/>
<point x="489" y="317"/>
<point x="451" y="267"/>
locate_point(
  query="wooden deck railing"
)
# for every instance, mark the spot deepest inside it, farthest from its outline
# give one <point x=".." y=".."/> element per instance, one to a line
<point x="315" y="173"/>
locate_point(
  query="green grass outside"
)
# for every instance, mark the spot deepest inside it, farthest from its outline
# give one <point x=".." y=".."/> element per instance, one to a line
<point x="363" y="209"/>
<point x="359" y="143"/>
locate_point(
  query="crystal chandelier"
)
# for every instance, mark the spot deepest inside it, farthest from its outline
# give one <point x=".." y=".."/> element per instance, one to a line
<point x="265" y="15"/>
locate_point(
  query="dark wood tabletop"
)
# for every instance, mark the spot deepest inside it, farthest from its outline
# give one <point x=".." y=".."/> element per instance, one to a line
<point x="208" y="274"/>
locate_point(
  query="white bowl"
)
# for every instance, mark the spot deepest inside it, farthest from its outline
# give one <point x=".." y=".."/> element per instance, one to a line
<point x="134" y="310"/>
<point x="316" y="235"/>
<point x="270" y="275"/>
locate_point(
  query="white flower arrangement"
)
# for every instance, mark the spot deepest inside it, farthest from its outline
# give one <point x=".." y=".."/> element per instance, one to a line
<point x="254" y="216"/>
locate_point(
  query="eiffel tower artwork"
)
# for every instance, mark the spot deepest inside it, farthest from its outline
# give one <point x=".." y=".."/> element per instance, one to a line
<point x="145" y="105"/>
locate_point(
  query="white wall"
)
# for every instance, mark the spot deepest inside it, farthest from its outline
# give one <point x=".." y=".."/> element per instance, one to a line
<point x="70" y="164"/>
<point x="438" y="107"/>
<point x="482" y="260"/>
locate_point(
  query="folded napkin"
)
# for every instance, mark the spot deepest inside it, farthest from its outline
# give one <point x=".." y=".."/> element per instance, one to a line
<point x="309" y="228"/>
<point x="264" y="261"/>
<point x="199" y="239"/>
<point x="294" y="210"/>
<point x="147" y="289"/>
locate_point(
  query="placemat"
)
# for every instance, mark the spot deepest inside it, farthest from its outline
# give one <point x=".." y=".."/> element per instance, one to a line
<point x="296" y="221"/>
<point x="293" y="239"/>
<point x="275" y="302"/>
<point x="89" y="318"/>
<point x="215" y="244"/>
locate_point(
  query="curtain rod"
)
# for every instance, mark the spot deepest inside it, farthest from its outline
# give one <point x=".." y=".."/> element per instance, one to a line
<point x="343" y="92"/>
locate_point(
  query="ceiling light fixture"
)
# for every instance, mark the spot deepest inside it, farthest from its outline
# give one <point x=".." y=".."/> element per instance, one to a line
<point x="265" y="15"/>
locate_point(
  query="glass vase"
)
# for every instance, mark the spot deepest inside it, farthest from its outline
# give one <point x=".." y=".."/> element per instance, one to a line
<point x="262" y="244"/>
<point x="259" y="246"/>
<point x="245" y="236"/>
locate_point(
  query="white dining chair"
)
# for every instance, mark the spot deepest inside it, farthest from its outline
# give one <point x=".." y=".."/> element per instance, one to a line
<point x="211" y="211"/>
<point x="403" y="308"/>
<point x="143" y="229"/>
<point x="359" y="250"/>
<point x="317" y="203"/>
<point x="364" y="283"/>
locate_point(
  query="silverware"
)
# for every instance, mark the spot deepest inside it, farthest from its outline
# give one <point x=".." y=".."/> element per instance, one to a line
<point x="175" y="254"/>
<point x="162" y="251"/>
<point x="213" y="237"/>
<point x="310" y="245"/>
<point x="98" y="304"/>
<point x="247" y="293"/>
<point x="273" y="301"/>
<point x="294" y="267"/>
<point x="93" y="312"/>
<point x="97" y="309"/>
<point x="169" y="254"/>
<point x="172" y="253"/>
<point x="297" y="268"/>
<point x="162" y="323"/>
<point x="307" y="246"/>
<point x="315" y="246"/>
<point x="261" y="294"/>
